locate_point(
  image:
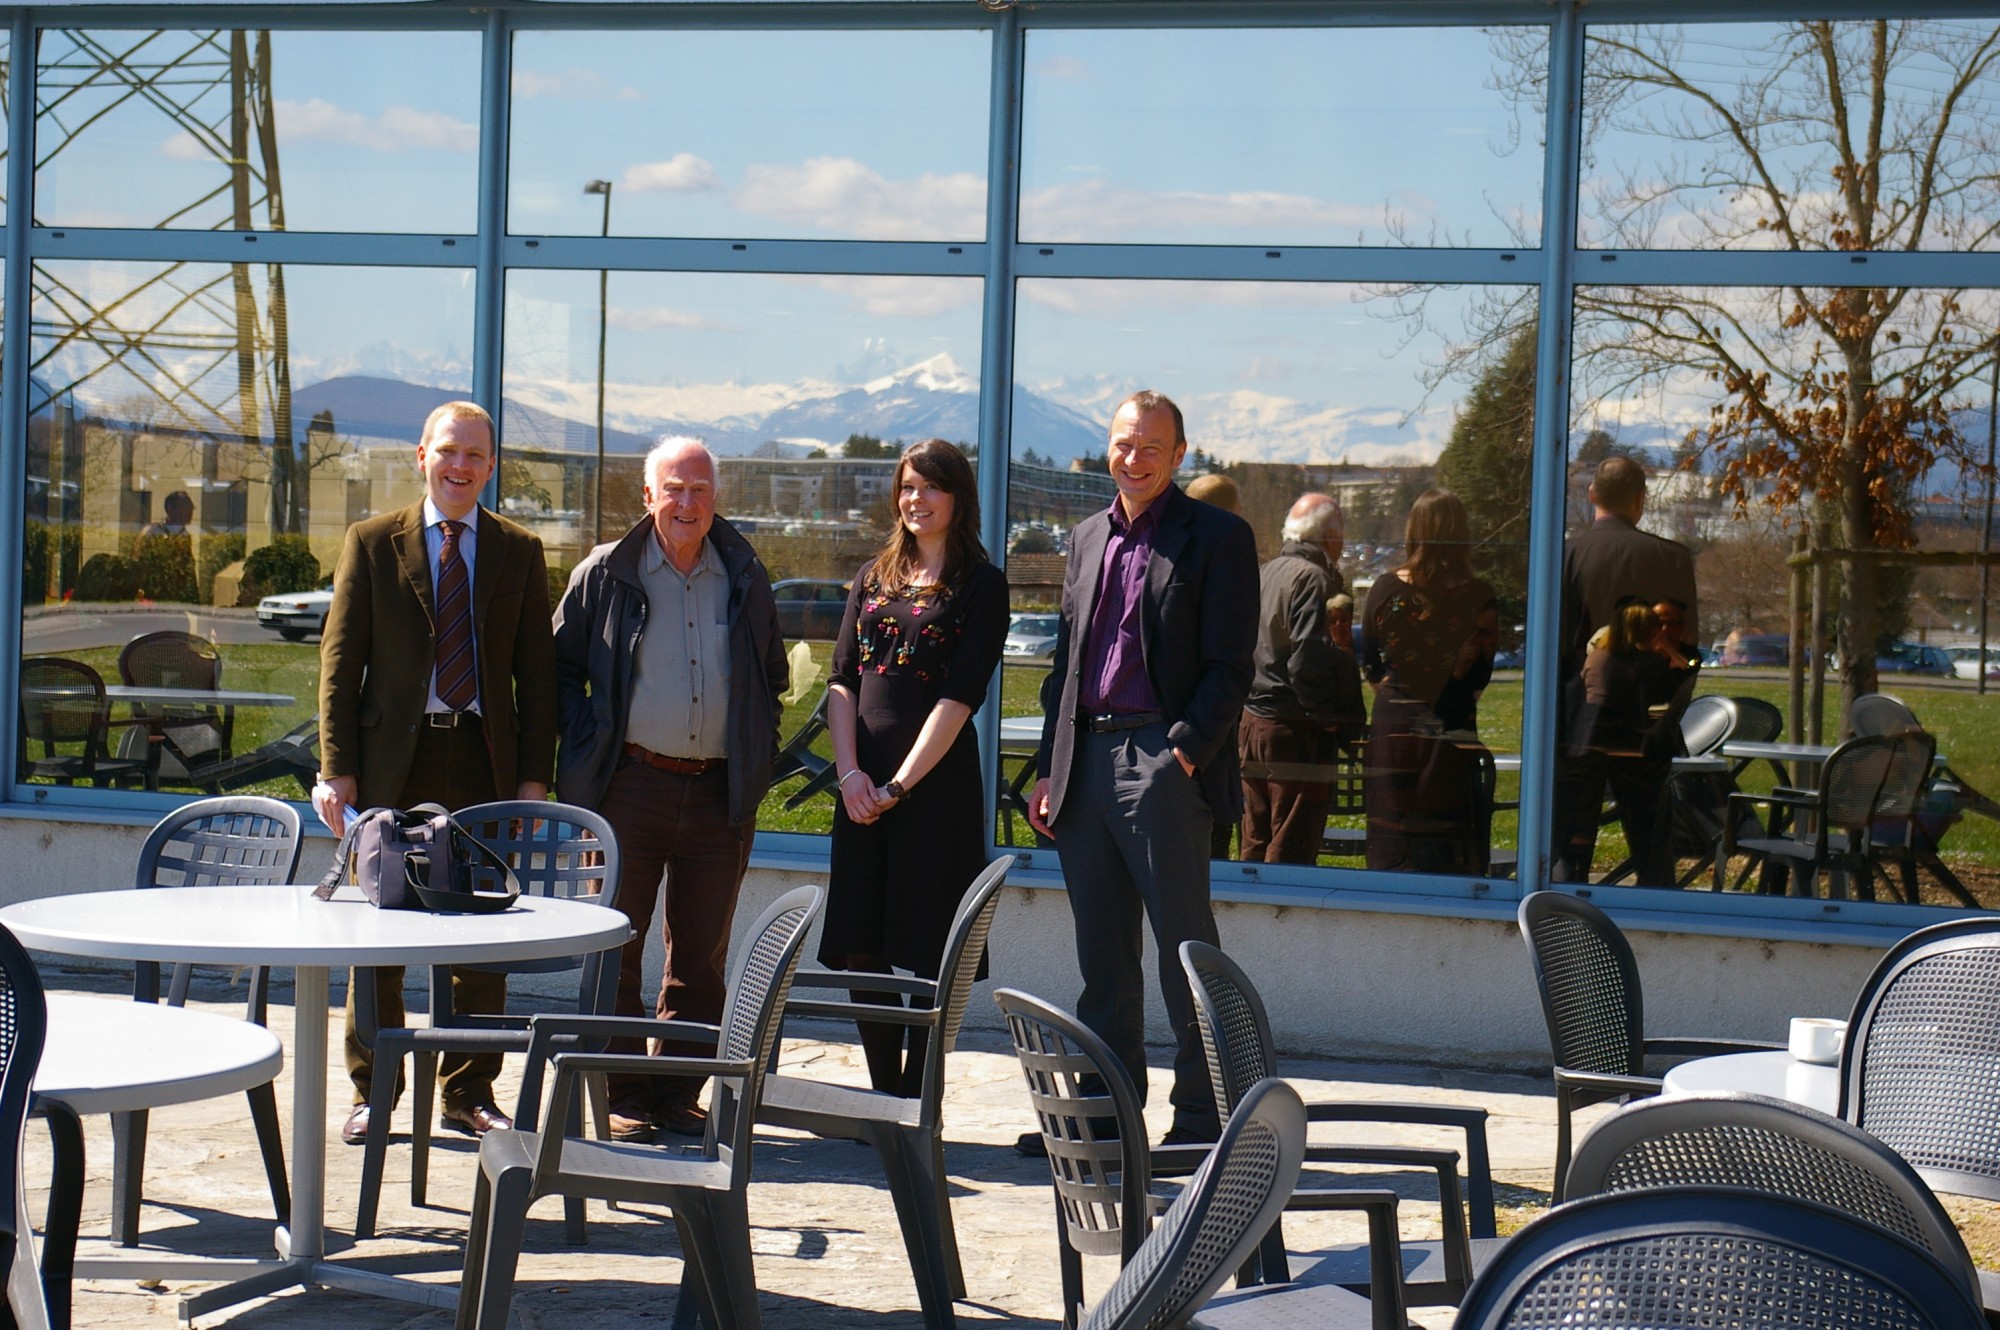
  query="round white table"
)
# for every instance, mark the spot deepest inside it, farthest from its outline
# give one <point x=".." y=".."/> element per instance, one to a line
<point x="1775" y="1073"/>
<point x="112" y="1055"/>
<point x="284" y="925"/>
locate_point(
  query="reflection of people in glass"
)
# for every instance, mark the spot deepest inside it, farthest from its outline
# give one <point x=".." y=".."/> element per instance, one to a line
<point x="1431" y="629"/>
<point x="926" y="619"/>
<point x="1305" y="698"/>
<point x="165" y="552"/>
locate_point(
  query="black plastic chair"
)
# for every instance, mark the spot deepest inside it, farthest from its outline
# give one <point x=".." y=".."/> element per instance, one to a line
<point x="797" y="758"/>
<point x="554" y="849"/>
<point x="194" y="735"/>
<point x="1211" y="1228"/>
<point x="908" y="1134"/>
<point x="1768" y="1145"/>
<point x="1693" y="1258"/>
<point x="293" y="754"/>
<point x="24" y="1026"/>
<point x="1236" y="1034"/>
<point x="1829" y="830"/>
<point x="1589" y="985"/>
<point x="236" y="840"/>
<point x="1897" y="834"/>
<point x="63" y="703"/>
<point x="705" y="1184"/>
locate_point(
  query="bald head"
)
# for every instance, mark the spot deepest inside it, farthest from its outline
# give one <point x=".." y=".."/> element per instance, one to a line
<point x="1619" y="488"/>
<point x="1316" y="519"/>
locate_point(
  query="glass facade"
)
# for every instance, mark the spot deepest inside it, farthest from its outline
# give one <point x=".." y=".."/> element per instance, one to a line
<point x="1358" y="257"/>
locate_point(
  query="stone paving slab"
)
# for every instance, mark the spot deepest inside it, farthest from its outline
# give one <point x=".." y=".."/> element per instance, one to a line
<point x="827" y="1247"/>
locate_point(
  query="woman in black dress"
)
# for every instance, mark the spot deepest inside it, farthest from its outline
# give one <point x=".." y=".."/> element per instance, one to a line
<point x="926" y="619"/>
<point x="1431" y="630"/>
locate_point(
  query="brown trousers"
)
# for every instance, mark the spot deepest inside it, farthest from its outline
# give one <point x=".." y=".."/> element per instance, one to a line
<point x="452" y="768"/>
<point x="1284" y="807"/>
<point x="676" y="827"/>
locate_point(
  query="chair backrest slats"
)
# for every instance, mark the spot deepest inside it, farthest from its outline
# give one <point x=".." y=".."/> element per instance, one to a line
<point x="760" y="979"/>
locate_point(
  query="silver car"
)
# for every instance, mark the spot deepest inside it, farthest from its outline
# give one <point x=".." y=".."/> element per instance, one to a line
<point x="1030" y="637"/>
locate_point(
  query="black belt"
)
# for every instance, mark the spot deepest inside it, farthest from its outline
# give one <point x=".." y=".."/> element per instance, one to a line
<point x="1110" y="722"/>
<point x="447" y="720"/>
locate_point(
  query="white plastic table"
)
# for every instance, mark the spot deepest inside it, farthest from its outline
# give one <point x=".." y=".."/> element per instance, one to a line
<point x="286" y="926"/>
<point x="1775" y="1073"/>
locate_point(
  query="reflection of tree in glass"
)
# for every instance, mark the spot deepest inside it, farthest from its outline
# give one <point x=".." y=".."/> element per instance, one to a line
<point x="1487" y="462"/>
<point x="1813" y="137"/>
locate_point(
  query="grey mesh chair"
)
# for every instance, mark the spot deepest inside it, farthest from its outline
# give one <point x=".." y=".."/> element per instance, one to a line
<point x="1103" y="1172"/>
<point x="908" y="1134"/>
<point x="234" y="840"/>
<point x="1768" y="1145"/>
<point x="1213" y="1226"/>
<point x="1898" y="834"/>
<point x="1683" y="1258"/>
<point x="1588" y="979"/>
<point x="556" y="850"/>
<point x="705" y="1183"/>
<point x="1236" y="1035"/>
<point x="1829" y="824"/>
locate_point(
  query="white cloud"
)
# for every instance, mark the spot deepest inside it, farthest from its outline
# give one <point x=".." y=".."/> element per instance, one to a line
<point x="682" y="173"/>
<point x="575" y="85"/>
<point x="897" y="297"/>
<point x="843" y="195"/>
<point x="397" y="129"/>
<point x="1066" y="68"/>
<point x="655" y="318"/>
<point x="183" y="147"/>
<point x="1097" y="211"/>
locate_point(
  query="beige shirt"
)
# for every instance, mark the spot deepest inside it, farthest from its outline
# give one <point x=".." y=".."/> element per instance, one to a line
<point x="680" y="677"/>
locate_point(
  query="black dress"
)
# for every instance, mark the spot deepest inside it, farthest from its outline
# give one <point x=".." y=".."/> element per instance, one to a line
<point x="896" y="883"/>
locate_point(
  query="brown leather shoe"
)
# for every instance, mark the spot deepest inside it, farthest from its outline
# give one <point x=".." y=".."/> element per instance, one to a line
<point x="475" y="1119"/>
<point x="682" y="1119"/>
<point x="630" y="1130"/>
<point x="355" y="1130"/>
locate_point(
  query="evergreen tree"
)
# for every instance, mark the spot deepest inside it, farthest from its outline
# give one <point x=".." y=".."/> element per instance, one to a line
<point x="1488" y="462"/>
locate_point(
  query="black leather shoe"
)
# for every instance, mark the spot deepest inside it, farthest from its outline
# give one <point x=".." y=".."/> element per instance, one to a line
<point x="631" y="1130"/>
<point x="1192" y="1133"/>
<point x="1032" y="1145"/>
<point x="681" y="1119"/>
<point x="355" y="1130"/>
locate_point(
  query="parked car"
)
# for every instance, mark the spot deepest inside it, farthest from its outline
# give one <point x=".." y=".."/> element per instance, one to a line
<point x="810" y="608"/>
<point x="1913" y="658"/>
<point x="1769" y="650"/>
<point x="1965" y="661"/>
<point x="296" y="615"/>
<point x="1030" y="637"/>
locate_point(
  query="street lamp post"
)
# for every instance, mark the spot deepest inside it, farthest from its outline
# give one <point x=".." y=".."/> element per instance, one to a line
<point x="603" y="311"/>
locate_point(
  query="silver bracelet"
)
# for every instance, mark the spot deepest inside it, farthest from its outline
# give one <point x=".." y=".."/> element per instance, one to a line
<point x="856" y="772"/>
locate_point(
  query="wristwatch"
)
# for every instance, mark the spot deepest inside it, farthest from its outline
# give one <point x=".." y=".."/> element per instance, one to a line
<point x="894" y="789"/>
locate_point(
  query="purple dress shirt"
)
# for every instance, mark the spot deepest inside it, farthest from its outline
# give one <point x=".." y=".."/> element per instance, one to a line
<point x="1114" y="670"/>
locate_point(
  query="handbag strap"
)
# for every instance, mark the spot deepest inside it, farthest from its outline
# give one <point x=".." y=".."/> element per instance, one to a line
<point x="510" y="882"/>
<point x="337" y="874"/>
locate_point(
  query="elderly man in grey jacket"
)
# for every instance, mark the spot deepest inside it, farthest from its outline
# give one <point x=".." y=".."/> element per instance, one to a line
<point x="669" y="670"/>
<point x="1305" y="697"/>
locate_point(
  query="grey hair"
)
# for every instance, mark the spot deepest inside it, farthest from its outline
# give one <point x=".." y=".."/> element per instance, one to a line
<point x="672" y="447"/>
<point x="1314" y="522"/>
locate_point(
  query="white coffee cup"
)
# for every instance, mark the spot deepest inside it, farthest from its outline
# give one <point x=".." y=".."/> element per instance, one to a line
<point x="1817" y="1039"/>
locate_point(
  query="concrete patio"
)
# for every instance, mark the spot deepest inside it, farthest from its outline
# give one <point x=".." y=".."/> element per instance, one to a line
<point x="827" y="1247"/>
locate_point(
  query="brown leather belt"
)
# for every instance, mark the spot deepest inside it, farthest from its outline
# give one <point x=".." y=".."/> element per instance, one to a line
<point x="680" y="766"/>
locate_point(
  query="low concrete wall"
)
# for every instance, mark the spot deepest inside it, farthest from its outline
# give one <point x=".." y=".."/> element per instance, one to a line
<point x="1350" y="983"/>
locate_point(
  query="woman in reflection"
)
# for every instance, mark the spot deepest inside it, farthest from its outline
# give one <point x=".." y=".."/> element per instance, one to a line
<point x="926" y="619"/>
<point x="1431" y="628"/>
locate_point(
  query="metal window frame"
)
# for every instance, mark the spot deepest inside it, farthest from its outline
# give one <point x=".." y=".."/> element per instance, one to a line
<point x="1557" y="265"/>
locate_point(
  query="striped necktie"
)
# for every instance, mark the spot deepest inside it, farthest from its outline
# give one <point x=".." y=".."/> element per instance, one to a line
<point x="456" y="687"/>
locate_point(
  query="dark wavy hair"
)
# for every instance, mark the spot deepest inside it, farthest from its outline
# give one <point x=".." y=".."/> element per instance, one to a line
<point x="1437" y="540"/>
<point x="943" y="465"/>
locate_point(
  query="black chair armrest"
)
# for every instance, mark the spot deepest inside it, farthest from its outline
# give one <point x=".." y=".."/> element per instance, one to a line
<point x="1385" y="1245"/>
<point x="1471" y="1121"/>
<point x="550" y="1031"/>
<point x="867" y="982"/>
<point x="1609" y="1083"/>
<point x="862" y="1011"/>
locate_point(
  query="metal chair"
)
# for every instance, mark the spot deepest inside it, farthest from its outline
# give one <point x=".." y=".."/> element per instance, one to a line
<point x="294" y="753"/>
<point x="1236" y="1034"/>
<point x="236" y="840"/>
<point x="1213" y="1226"/>
<point x="24" y="1025"/>
<point x="1685" y="1257"/>
<point x="1350" y="761"/>
<point x="705" y="1184"/>
<point x="194" y="736"/>
<point x="797" y="758"/>
<point x="1099" y="1162"/>
<point x="63" y="703"/>
<point x="1768" y="1145"/>
<point x="1829" y="824"/>
<point x="908" y="1134"/>
<point x="555" y="849"/>
<point x="1589" y="985"/>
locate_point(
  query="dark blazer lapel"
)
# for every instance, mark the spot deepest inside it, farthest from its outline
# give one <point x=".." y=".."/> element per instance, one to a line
<point x="486" y="573"/>
<point x="1170" y="537"/>
<point x="1090" y="572"/>
<point x="416" y="559"/>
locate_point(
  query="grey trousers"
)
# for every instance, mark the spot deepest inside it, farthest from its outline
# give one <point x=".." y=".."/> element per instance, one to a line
<point x="1133" y="838"/>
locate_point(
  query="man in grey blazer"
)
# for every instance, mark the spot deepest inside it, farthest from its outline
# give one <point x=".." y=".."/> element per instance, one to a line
<point x="1138" y="754"/>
